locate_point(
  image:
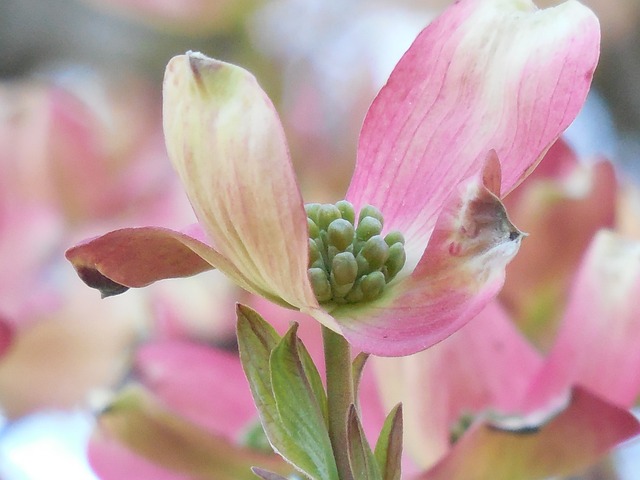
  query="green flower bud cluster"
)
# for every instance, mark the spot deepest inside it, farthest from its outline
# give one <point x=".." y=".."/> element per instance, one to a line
<point x="349" y="263"/>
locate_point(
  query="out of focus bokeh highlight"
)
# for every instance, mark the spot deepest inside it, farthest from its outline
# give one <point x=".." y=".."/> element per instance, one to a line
<point x="82" y="153"/>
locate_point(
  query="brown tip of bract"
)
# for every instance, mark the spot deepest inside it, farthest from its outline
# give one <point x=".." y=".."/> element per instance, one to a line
<point x="195" y="63"/>
<point x="94" y="279"/>
<point x="198" y="63"/>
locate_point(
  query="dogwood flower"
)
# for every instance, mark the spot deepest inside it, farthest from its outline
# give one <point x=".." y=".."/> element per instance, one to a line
<point x="467" y="112"/>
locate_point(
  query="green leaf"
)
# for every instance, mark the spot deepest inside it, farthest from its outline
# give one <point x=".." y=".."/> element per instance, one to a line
<point x="312" y="374"/>
<point x="388" y="451"/>
<point x="357" y="368"/>
<point x="256" y="340"/>
<point x="300" y="412"/>
<point x="266" y="475"/>
<point x="363" y="463"/>
<point x="139" y="422"/>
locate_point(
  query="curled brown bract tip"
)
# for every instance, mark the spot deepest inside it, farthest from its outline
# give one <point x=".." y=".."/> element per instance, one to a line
<point x="94" y="279"/>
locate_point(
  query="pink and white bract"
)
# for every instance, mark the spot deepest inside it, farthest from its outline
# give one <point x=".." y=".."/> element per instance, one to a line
<point x="468" y="111"/>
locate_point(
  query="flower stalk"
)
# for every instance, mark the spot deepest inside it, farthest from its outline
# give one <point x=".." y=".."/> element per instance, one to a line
<point x="340" y="396"/>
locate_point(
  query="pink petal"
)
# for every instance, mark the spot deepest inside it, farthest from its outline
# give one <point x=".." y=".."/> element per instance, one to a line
<point x="372" y="411"/>
<point x="202" y="384"/>
<point x="485" y="75"/>
<point x="461" y="270"/>
<point x="547" y="207"/>
<point x="111" y="134"/>
<point x="571" y="441"/>
<point x="136" y="257"/>
<point x="597" y="345"/>
<point x="200" y="307"/>
<point x="29" y="236"/>
<point x="485" y="365"/>
<point x="110" y="460"/>
<point x="225" y="140"/>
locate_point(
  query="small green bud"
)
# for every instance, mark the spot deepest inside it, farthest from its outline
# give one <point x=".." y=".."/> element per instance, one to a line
<point x="320" y="284"/>
<point x="340" y="234"/>
<point x="338" y="291"/>
<point x="363" y="265"/>
<point x="327" y="214"/>
<point x="314" y="231"/>
<point x="385" y="272"/>
<point x="368" y="227"/>
<point x="347" y="211"/>
<point x="355" y="295"/>
<point x="394" y="237"/>
<point x="372" y="285"/>
<point x="396" y="260"/>
<point x="312" y="211"/>
<point x="322" y="249"/>
<point x="344" y="268"/>
<point x="331" y="252"/>
<point x="357" y="246"/>
<point x="371" y="211"/>
<point x="375" y="251"/>
<point x="315" y="257"/>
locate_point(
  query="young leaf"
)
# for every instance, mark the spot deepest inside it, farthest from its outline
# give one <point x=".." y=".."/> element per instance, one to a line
<point x="357" y="368"/>
<point x="299" y="410"/>
<point x="363" y="463"/>
<point x="311" y="372"/>
<point x="256" y="341"/>
<point x="388" y="451"/>
<point x="266" y="475"/>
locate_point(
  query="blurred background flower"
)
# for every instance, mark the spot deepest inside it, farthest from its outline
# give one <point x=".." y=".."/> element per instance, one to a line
<point x="81" y="152"/>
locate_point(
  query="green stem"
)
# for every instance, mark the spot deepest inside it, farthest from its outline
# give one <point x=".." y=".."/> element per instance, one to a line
<point x="337" y="356"/>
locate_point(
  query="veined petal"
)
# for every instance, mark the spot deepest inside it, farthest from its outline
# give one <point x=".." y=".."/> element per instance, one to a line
<point x="569" y="442"/>
<point x="214" y="394"/>
<point x="487" y="74"/>
<point x="461" y="270"/>
<point x="485" y="365"/>
<point x="137" y="257"/>
<point x="597" y="345"/>
<point x="225" y="140"/>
